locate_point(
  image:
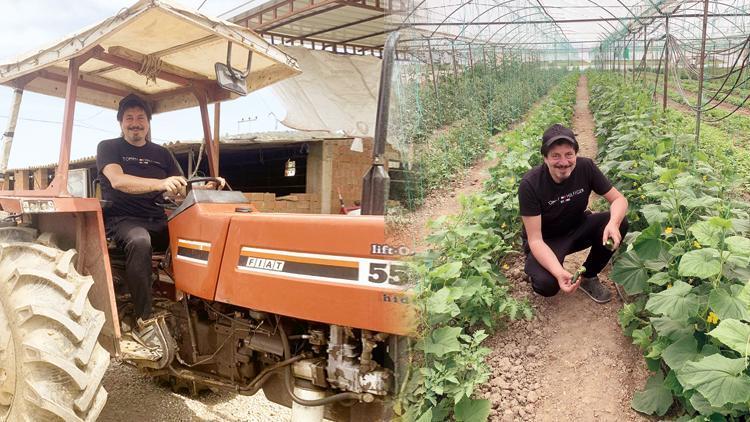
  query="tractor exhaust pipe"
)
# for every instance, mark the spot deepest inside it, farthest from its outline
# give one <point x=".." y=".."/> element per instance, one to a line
<point x="376" y="181"/>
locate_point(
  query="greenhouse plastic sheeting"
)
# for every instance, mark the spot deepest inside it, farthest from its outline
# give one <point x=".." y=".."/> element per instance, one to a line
<point x="334" y="93"/>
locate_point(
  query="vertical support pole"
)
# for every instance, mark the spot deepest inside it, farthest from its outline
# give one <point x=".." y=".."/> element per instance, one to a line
<point x="217" y="131"/>
<point x="432" y="68"/>
<point x="212" y="152"/>
<point x="10" y="129"/>
<point x="666" y="63"/>
<point x="59" y="184"/>
<point x="645" y="50"/>
<point x="700" y="74"/>
<point x="624" y="60"/>
<point x="376" y="182"/>
<point x="632" y="53"/>
<point x="453" y="50"/>
<point x="471" y="58"/>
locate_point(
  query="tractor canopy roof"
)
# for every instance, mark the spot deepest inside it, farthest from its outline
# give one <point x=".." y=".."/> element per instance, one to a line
<point x="157" y="49"/>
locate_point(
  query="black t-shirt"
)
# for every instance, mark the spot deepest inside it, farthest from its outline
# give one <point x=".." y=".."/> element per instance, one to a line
<point x="561" y="205"/>
<point x="151" y="160"/>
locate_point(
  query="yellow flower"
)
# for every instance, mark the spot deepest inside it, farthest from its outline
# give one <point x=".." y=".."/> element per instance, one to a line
<point x="669" y="285"/>
<point x="712" y="318"/>
<point x="705" y="178"/>
<point x="643" y="196"/>
<point x="504" y="225"/>
<point x="696" y="245"/>
<point x="506" y="266"/>
<point x="668" y="230"/>
<point x="635" y="184"/>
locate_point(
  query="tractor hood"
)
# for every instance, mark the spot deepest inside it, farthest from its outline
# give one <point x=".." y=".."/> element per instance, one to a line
<point x="155" y="48"/>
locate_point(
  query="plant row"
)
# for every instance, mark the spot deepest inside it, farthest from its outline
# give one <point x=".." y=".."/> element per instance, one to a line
<point x="686" y="264"/>
<point x="461" y="293"/>
<point x="446" y="127"/>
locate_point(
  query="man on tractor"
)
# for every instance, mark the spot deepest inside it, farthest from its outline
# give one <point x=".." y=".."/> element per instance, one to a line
<point x="553" y="200"/>
<point x="134" y="174"/>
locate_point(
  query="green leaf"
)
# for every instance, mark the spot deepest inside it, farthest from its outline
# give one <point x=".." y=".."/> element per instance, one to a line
<point x="728" y="306"/>
<point x="670" y="328"/>
<point x="468" y="410"/>
<point x="442" y="340"/>
<point x="630" y="272"/>
<point x="447" y="271"/>
<point x="734" y="334"/>
<point x="627" y="314"/>
<point x="721" y="223"/>
<point x="680" y="352"/>
<point x="706" y="233"/>
<point x="656" y="398"/>
<point x="648" y="244"/>
<point x="738" y="245"/>
<point x="701" y="263"/>
<point x="653" y="214"/>
<point x="642" y="336"/>
<point x="425" y="417"/>
<point x="659" y="279"/>
<point x="719" y="379"/>
<point x="744" y="295"/>
<point x="677" y="302"/>
<point x="442" y="306"/>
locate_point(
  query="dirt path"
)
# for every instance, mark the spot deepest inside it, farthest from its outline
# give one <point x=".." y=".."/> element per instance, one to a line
<point x="571" y="362"/>
<point x="442" y="202"/>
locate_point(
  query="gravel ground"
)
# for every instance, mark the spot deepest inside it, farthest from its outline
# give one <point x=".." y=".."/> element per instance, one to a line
<point x="134" y="396"/>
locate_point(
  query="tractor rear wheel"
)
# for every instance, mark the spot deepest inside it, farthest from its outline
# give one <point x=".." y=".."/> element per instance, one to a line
<point x="51" y="364"/>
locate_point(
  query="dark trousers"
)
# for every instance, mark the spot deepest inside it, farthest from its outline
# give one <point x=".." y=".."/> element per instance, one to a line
<point x="588" y="234"/>
<point x="139" y="237"/>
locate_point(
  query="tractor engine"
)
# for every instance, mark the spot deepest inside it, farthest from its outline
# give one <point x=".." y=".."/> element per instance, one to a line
<point x="222" y="346"/>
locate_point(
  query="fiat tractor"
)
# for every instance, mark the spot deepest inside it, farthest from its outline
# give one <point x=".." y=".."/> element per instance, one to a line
<point x="311" y="309"/>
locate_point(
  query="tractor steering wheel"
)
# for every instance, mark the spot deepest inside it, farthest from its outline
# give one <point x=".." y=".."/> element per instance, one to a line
<point x="190" y="182"/>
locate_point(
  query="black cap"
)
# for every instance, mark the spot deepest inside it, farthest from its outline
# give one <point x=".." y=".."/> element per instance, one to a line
<point x="130" y="101"/>
<point x="555" y="133"/>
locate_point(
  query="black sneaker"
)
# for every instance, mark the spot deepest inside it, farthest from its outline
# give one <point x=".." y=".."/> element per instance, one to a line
<point x="595" y="289"/>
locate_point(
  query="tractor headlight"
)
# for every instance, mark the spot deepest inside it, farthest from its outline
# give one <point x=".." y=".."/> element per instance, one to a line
<point x="33" y="206"/>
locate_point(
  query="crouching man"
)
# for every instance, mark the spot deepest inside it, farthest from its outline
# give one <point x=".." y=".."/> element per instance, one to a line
<point x="553" y="200"/>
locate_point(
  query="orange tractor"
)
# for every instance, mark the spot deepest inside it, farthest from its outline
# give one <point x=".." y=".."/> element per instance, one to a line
<point x="310" y="308"/>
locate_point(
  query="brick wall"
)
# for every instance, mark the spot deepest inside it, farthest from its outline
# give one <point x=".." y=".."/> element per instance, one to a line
<point x="298" y="203"/>
<point x="349" y="167"/>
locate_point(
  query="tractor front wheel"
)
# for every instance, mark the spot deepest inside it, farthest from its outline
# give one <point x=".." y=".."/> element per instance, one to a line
<point x="51" y="364"/>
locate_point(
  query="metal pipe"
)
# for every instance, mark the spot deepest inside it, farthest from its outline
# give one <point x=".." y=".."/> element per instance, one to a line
<point x="59" y="185"/>
<point x="700" y="77"/>
<point x="10" y="129"/>
<point x="375" y="182"/>
<point x="432" y="70"/>
<point x="191" y="327"/>
<point x="212" y="151"/>
<point x="666" y="64"/>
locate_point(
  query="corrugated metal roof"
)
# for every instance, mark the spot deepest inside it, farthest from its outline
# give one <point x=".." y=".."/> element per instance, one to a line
<point x="255" y="138"/>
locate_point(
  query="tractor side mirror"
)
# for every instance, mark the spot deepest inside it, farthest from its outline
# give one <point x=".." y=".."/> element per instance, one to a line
<point x="230" y="78"/>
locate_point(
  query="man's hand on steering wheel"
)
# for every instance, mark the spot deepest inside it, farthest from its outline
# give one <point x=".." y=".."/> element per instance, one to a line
<point x="173" y="185"/>
<point x="217" y="184"/>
